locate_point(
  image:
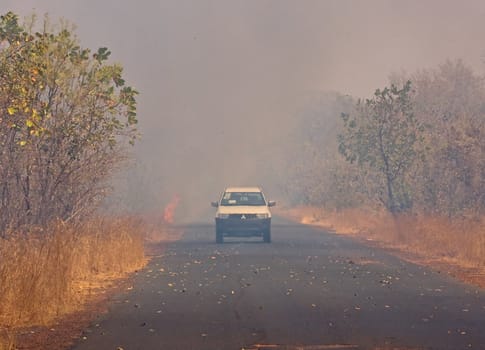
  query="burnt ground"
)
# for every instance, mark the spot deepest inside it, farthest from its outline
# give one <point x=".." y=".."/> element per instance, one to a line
<point x="308" y="289"/>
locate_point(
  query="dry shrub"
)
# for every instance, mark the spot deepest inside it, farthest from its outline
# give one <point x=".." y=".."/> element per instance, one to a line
<point x="108" y="247"/>
<point x="460" y="240"/>
<point x="7" y="339"/>
<point x="41" y="271"/>
<point x="34" y="277"/>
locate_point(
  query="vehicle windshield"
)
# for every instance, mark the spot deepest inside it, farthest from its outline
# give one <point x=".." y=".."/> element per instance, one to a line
<point x="242" y="198"/>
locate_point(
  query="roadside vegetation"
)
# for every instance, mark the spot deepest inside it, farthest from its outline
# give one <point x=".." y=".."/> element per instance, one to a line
<point x="405" y="167"/>
<point x="46" y="274"/>
<point x="67" y="119"/>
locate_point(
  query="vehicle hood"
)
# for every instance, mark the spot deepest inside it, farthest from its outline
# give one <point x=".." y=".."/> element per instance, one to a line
<point x="243" y="209"/>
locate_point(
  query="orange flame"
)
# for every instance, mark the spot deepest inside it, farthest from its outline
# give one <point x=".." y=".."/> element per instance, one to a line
<point x="169" y="211"/>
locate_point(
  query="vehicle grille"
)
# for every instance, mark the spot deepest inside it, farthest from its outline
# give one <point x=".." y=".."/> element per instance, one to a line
<point x="240" y="216"/>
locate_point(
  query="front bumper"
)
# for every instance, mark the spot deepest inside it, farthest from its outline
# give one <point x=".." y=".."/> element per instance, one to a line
<point x="238" y="227"/>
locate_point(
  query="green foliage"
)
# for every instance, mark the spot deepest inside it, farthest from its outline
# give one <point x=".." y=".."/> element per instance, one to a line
<point x="65" y="116"/>
<point x="384" y="136"/>
<point x="10" y="29"/>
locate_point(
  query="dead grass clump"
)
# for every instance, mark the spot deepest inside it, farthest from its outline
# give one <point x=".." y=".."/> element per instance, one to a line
<point x="41" y="271"/>
<point x="459" y="240"/>
<point x="34" y="277"/>
<point x="108" y="247"/>
<point x="7" y="339"/>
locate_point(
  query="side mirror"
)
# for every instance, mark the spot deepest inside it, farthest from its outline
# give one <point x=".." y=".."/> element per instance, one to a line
<point x="215" y="204"/>
<point x="271" y="203"/>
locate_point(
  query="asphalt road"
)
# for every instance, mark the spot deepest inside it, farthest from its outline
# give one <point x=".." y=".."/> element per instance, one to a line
<point x="308" y="289"/>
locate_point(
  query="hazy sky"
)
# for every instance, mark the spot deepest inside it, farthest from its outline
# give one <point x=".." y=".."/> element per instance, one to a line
<point x="221" y="81"/>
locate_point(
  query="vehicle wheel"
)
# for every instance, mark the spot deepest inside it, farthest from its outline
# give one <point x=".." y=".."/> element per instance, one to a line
<point x="219" y="236"/>
<point x="267" y="235"/>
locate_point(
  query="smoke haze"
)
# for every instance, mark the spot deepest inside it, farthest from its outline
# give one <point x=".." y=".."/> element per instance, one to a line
<point x="222" y="82"/>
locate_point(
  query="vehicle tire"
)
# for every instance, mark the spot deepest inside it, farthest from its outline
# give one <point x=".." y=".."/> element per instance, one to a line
<point x="219" y="236"/>
<point x="267" y="235"/>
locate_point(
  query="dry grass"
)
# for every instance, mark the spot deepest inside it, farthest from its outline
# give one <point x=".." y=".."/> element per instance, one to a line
<point x="47" y="274"/>
<point x="458" y="241"/>
<point x="158" y="230"/>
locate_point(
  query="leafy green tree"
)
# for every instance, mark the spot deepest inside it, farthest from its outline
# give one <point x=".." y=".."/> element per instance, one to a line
<point x="384" y="136"/>
<point x="66" y="115"/>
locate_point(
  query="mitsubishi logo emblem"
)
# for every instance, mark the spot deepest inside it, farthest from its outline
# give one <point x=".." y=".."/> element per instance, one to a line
<point x="243" y="217"/>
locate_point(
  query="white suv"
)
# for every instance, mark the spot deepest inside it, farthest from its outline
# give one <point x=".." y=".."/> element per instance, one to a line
<point x="243" y="212"/>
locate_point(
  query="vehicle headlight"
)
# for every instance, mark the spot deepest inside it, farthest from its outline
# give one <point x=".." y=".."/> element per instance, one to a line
<point x="262" y="216"/>
<point x="222" y="216"/>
